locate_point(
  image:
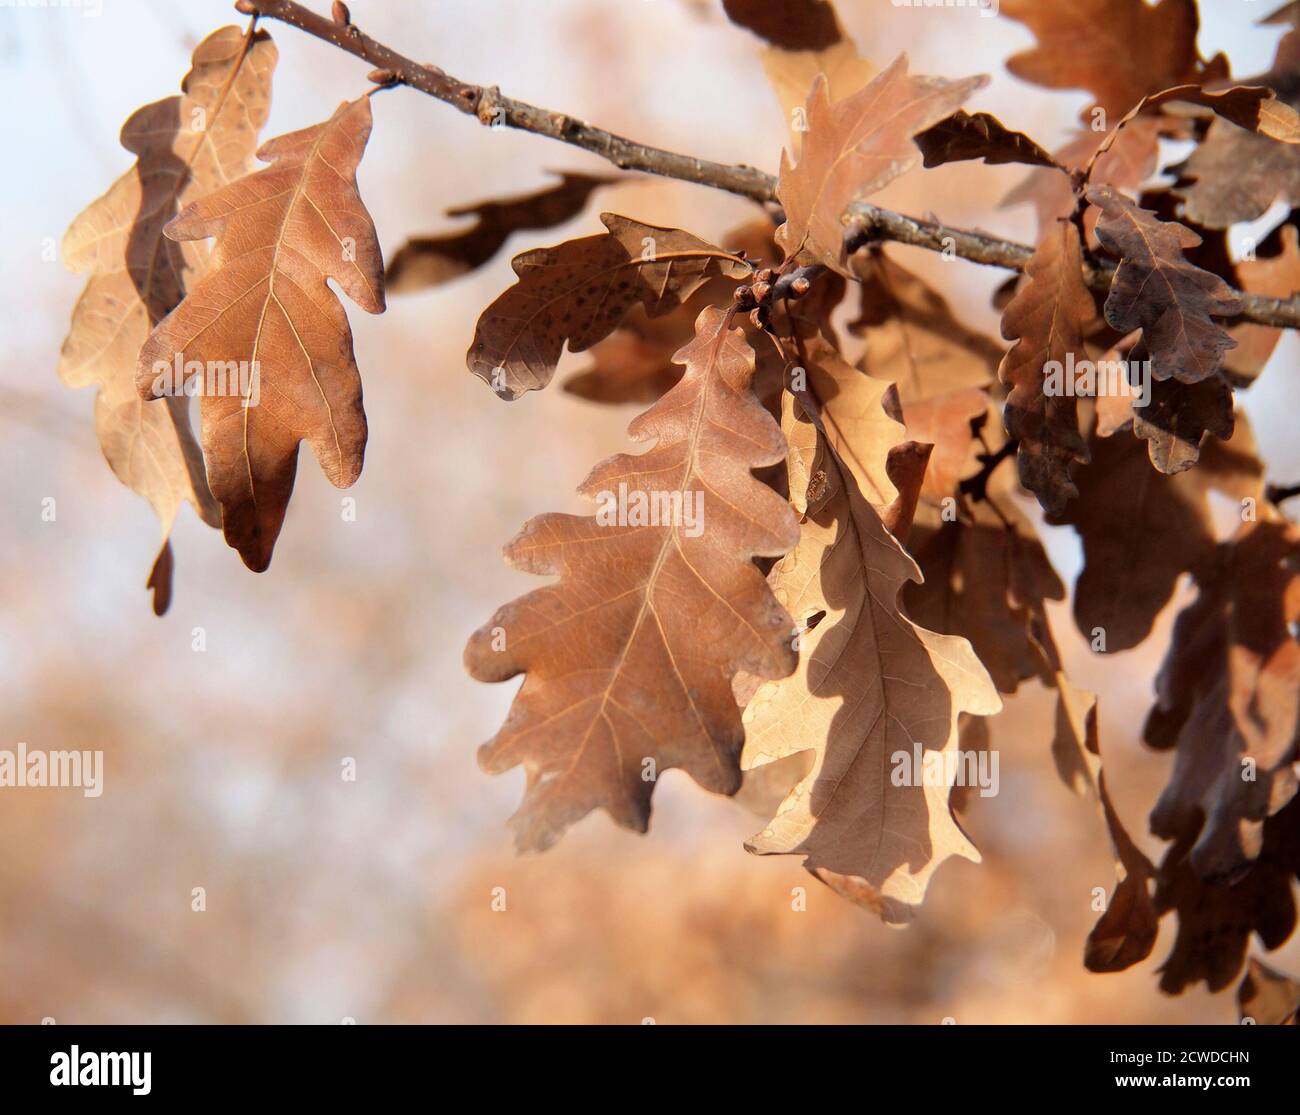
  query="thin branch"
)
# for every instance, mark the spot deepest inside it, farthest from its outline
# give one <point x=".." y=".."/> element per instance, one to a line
<point x="865" y="222"/>
<point x="495" y="109"/>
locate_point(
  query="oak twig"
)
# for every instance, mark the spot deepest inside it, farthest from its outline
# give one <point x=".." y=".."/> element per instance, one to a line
<point x="864" y="222"/>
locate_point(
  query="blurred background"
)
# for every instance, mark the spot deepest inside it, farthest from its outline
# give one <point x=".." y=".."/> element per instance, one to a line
<point x="373" y="899"/>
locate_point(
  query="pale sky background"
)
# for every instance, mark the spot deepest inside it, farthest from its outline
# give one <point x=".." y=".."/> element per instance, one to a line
<point x="351" y="644"/>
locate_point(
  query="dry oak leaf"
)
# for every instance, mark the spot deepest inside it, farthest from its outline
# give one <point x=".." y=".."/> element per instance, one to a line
<point x="913" y="338"/>
<point x="1126" y="932"/>
<point x="1047" y="319"/>
<point x="580" y="292"/>
<point x="964" y="136"/>
<point x="1216" y="191"/>
<point x="265" y="303"/>
<point x="1131" y="159"/>
<point x="1235" y="175"/>
<point x="629" y="658"/>
<point x="1216" y="920"/>
<point x="1176" y="418"/>
<point x="855" y="147"/>
<point x="1157" y="290"/>
<point x="634" y="364"/>
<point x="870" y="686"/>
<point x="1141" y="530"/>
<point x="1275" y="276"/>
<point x="186" y="146"/>
<point x="794" y="25"/>
<point x="803" y="39"/>
<point x="428" y="261"/>
<point x="1118" y="50"/>
<point x="1228" y="698"/>
<point x="1268" y="997"/>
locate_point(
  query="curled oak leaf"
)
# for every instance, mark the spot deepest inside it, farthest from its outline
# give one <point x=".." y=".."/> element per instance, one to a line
<point x="1228" y="700"/>
<point x="185" y="147"/>
<point x="1276" y="276"/>
<point x="873" y="694"/>
<point x="1217" y="920"/>
<point x="1047" y="319"/>
<point x="1088" y="45"/>
<point x="580" y="292"/>
<point x="1256" y="108"/>
<point x="964" y="136"/>
<point x="1157" y="290"/>
<point x="630" y="658"/>
<point x="634" y="364"/>
<point x="264" y="308"/>
<point x="1141" y="530"/>
<point x="855" y="147"/>
<point x="1268" y="997"/>
<point x="428" y="261"/>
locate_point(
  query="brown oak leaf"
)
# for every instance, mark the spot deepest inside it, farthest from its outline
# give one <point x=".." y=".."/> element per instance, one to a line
<point x="186" y="146"/>
<point x="1091" y="44"/>
<point x="870" y="687"/>
<point x="1157" y="290"/>
<point x="1228" y="700"/>
<point x="629" y="658"/>
<point x="264" y="305"/>
<point x="855" y="147"/>
<point x="1047" y="319"/>
<point x="580" y="291"/>
<point x="428" y="261"/>
<point x="979" y="135"/>
<point x="1141" y="529"/>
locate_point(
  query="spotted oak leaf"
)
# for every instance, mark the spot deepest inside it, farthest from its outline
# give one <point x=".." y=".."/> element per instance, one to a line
<point x="853" y="148"/>
<point x="870" y="686"/>
<point x="1047" y="319"/>
<point x="1157" y="290"/>
<point x="629" y="658"/>
<point x="265" y="303"/>
<point x="580" y="291"/>
<point x="428" y="261"/>
<point x="186" y="146"/>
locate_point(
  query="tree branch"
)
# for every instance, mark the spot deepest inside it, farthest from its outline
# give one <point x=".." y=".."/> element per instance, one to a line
<point x="864" y="222"/>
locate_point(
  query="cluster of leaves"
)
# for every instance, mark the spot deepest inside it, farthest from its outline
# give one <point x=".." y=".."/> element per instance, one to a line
<point x="866" y="578"/>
